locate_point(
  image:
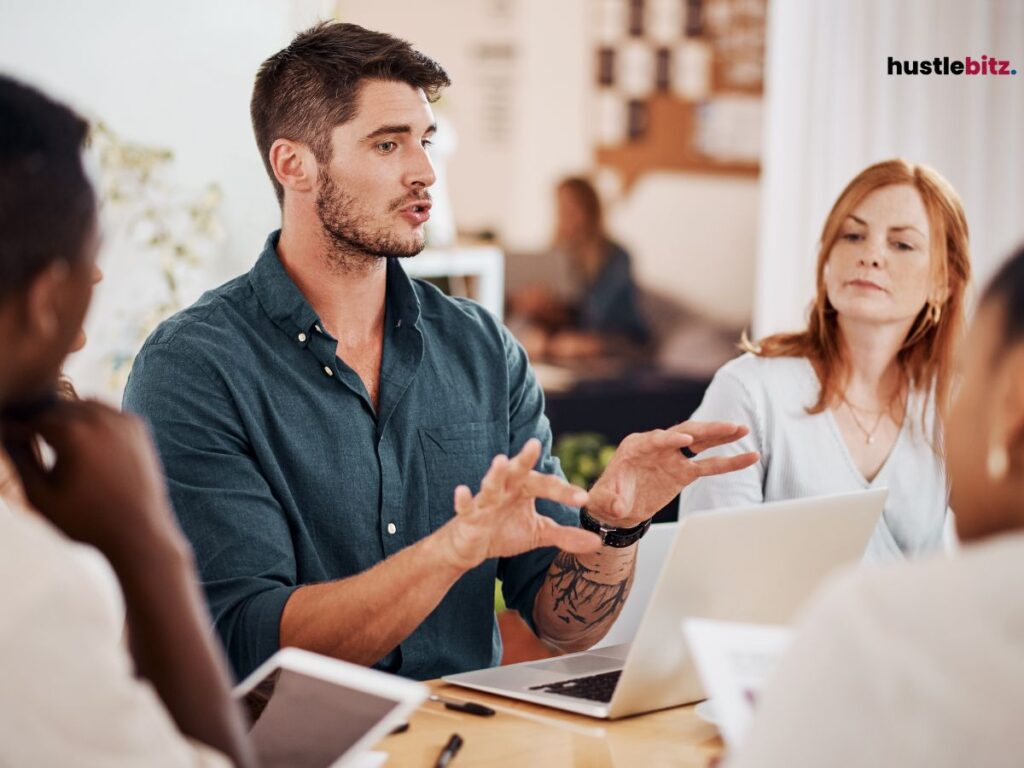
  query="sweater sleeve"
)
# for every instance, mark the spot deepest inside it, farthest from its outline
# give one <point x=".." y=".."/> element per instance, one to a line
<point x="729" y="399"/>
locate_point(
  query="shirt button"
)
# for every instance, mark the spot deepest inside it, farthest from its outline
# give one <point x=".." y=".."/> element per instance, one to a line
<point x="328" y="371"/>
<point x="392" y="528"/>
<point x="302" y="338"/>
<point x="318" y="329"/>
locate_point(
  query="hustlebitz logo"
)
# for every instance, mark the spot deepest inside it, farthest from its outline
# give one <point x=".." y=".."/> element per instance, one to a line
<point x="986" y="65"/>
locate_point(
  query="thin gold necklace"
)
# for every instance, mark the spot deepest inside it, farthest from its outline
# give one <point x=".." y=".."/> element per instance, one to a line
<point x="869" y="435"/>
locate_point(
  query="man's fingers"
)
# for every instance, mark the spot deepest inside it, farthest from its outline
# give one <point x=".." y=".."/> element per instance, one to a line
<point x="463" y="500"/>
<point x="554" y="488"/>
<point x="705" y="432"/>
<point x="703" y="445"/>
<point x="525" y="460"/>
<point x="568" y="539"/>
<point x="666" y="438"/>
<point x="645" y="443"/>
<point x="719" y="465"/>
<point x="492" y="487"/>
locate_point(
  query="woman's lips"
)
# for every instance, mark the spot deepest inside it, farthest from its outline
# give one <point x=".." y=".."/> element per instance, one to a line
<point x="866" y="284"/>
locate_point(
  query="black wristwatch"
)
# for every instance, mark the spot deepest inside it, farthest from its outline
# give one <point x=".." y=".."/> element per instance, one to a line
<point x="613" y="537"/>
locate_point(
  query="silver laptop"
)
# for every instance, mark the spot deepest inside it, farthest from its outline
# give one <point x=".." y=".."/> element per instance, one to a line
<point x="755" y="564"/>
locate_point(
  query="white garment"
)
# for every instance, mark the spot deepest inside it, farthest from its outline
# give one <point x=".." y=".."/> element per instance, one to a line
<point x="804" y="455"/>
<point x="69" y="695"/>
<point x="916" y="665"/>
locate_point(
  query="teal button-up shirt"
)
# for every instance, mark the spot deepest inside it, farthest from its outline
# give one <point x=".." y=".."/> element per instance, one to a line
<point x="282" y="474"/>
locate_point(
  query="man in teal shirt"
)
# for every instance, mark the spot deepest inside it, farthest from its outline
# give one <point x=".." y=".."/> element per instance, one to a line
<point x="316" y="415"/>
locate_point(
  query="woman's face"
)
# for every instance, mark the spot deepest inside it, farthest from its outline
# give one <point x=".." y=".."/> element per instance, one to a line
<point x="986" y="407"/>
<point x="879" y="269"/>
<point x="572" y="219"/>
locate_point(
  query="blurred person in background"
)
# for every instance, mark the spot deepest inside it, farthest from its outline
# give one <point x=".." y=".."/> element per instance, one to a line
<point x="858" y="399"/>
<point x="921" y="665"/>
<point x="97" y="517"/>
<point x="598" y="312"/>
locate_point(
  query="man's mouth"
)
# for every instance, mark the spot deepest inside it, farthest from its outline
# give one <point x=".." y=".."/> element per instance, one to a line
<point x="417" y="212"/>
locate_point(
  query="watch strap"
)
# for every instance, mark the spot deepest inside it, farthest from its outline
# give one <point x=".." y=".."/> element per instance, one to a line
<point x="613" y="537"/>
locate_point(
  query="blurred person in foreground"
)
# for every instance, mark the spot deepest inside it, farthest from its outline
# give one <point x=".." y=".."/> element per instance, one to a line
<point x="858" y="399"/>
<point x="597" y="312"/>
<point x="921" y="665"/>
<point x="73" y="694"/>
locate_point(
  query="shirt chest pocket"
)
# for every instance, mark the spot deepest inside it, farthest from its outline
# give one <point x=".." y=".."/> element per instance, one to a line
<point x="457" y="454"/>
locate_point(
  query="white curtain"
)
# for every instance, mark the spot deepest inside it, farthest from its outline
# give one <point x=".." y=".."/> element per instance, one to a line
<point x="832" y="110"/>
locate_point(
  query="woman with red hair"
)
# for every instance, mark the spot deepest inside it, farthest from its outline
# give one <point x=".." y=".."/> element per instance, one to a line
<point x="857" y="400"/>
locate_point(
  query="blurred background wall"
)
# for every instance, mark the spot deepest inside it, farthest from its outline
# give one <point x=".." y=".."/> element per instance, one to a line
<point x="734" y="249"/>
<point x="832" y="109"/>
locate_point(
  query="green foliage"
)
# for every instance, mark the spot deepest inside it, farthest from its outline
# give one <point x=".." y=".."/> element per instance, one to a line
<point x="584" y="456"/>
<point x="499" y="599"/>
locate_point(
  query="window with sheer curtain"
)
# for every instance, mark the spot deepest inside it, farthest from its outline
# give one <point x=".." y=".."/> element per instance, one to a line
<point x="833" y="109"/>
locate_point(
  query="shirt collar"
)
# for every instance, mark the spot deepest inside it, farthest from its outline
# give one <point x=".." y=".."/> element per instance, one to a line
<point x="284" y="303"/>
<point x="401" y="296"/>
<point x="280" y="298"/>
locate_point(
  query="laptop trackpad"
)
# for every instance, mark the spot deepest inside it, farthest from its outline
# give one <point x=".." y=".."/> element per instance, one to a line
<point x="574" y="666"/>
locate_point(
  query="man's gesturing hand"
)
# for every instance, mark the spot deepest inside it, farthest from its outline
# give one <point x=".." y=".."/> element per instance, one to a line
<point x="649" y="468"/>
<point x="502" y="520"/>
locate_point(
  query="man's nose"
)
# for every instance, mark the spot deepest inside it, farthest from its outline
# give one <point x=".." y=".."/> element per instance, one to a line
<point x="420" y="174"/>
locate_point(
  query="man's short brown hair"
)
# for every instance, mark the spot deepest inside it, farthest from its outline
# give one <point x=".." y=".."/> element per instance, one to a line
<point x="304" y="91"/>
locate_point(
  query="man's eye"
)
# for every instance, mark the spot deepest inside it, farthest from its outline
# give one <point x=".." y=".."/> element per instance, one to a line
<point x="427" y="143"/>
<point x="387" y="147"/>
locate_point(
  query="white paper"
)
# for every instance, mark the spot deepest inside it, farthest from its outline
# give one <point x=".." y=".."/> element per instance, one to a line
<point x="733" y="661"/>
<point x="370" y="760"/>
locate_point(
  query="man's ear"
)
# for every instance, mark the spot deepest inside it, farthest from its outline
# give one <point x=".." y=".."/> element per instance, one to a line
<point x="42" y="301"/>
<point x="294" y="165"/>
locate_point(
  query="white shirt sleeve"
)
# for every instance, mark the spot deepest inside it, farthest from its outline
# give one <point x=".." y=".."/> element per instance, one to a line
<point x="727" y="399"/>
<point x="69" y="694"/>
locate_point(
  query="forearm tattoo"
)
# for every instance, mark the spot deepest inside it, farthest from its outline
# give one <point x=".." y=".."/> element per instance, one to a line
<point x="578" y="597"/>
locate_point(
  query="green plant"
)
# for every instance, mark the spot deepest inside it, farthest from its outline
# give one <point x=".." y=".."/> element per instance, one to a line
<point x="584" y="456"/>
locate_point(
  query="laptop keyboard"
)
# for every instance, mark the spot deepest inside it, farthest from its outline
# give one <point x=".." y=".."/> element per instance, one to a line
<point x="593" y="687"/>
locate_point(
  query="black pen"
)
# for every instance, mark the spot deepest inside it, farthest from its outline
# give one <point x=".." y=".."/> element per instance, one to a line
<point x="450" y="750"/>
<point x="469" y="707"/>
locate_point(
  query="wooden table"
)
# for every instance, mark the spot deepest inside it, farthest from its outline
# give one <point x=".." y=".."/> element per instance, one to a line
<point x="525" y="735"/>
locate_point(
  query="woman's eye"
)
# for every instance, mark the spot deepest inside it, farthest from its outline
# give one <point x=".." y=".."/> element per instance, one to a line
<point x="386" y="147"/>
<point x="427" y="143"/>
<point x="851" y="237"/>
<point x="903" y="246"/>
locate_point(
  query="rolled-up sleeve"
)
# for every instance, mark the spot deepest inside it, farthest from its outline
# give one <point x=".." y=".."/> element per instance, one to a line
<point x="523" y="574"/>
<point x="237" y="528"/>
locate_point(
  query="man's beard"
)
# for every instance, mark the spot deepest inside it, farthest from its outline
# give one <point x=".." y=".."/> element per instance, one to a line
<point x="353" y="241"/>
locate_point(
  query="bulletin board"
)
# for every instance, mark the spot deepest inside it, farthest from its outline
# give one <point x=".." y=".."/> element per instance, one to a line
<point x="678" y="86"/>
